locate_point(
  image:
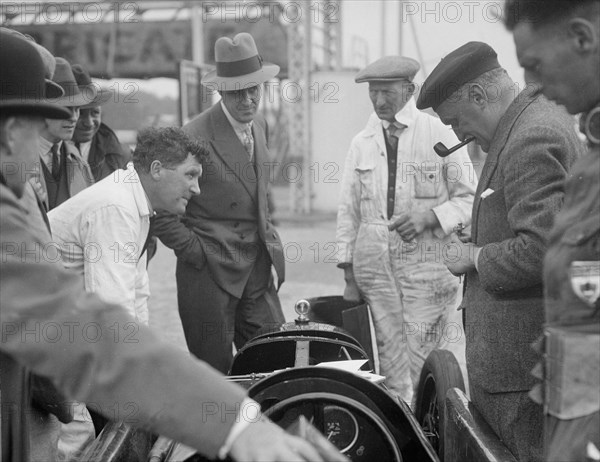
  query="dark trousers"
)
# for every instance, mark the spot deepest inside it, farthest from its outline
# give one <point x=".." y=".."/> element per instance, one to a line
<point x="213" y="320"/>
<point x="515" y="418"/>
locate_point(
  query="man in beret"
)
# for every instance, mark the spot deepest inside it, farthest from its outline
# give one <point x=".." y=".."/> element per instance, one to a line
<point x="558" y="45"/>
<point x="226" y="244"/>
<point x="169" y="388"/>
<point x="399" y="202"/>
<point x="531" y="144"/>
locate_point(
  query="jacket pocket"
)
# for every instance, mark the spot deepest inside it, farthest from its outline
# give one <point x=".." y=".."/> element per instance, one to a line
<point x="366" y="177"/>
<point x="427" y="179"/>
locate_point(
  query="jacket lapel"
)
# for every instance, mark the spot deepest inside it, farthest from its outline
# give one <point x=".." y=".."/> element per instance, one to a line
<point x="227" y="146"/>
<point x="260" y="157"/>
<point x="523" y="99"/>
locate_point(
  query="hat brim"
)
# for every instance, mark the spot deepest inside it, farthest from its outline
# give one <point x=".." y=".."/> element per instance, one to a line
<point x="103" y="97"/>
<point x="34" y="108"/>
<point x="87" y="94"/>
<point x="240" y="82"/>
<point x="383" y="79"/>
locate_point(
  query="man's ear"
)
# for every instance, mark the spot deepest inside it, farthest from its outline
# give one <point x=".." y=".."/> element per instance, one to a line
<point x="583" y="35"/>
<point x="9" y="134"/>
<point x="156" y="170"/>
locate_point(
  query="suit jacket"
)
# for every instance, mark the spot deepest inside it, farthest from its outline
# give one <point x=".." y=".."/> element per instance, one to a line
<point x="79" y="175"/>
<point x="128" y="374"/>
<point x="224" y="224"/>
<point x="533" y="148"/>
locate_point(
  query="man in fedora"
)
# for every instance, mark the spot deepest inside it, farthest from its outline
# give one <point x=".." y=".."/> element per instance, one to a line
<point x="226" y="243"/>
<point x="97" y="142"/>
<point x="62" y="172"/>
<point x="399" y="202"/>
<point x="171" y="390"/>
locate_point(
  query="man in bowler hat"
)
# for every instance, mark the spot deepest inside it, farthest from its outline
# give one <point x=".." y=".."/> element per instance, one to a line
<point x="225" y="243"/>
<point x="399" y="203"/>
<point x="558" y="45"/>
<point x="170" y="389"/>
<point x="531" y="144"/>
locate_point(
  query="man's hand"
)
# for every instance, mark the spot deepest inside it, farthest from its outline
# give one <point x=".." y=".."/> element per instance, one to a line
<point x="264" y="441"/>
<point x="459" y="257"/>
<point x="410" y="225"/>
<point x="464" y="235"/>
<point x="351" y="291"/>
<point x="36" y="184"/>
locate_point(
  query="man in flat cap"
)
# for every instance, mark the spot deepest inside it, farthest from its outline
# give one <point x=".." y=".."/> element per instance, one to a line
<point x="558" y="45"/>
<point x="399" y="202"/>
<point x="170" y="388"/>
<point x="531" y="144"/>
<point x="226" y="244"/>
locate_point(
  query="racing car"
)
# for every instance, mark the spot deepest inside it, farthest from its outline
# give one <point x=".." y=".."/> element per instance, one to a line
<point x="294" y="370"/>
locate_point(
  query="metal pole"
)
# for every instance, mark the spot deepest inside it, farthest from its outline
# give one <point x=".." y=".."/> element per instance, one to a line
<point x="197" y="32"/>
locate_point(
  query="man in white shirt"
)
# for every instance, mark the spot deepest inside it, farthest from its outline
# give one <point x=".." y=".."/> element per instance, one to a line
<point x="399" y="203"/>
<point x="102" y="234"/>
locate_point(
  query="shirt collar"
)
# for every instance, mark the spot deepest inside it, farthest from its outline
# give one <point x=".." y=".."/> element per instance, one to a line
<point x="45" y="146"/>
<point x="237" y="126"/>
<point x="406" y="116"/>
<point x="144" y="206"/>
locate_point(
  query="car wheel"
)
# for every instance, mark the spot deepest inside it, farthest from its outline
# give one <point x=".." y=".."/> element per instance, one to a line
<point x="440" y="373"/>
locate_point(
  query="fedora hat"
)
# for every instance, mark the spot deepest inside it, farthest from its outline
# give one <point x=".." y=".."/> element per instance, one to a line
<point x="75" y="95"/>
<point x="23" y="86"/>
<point x="83" y="78"/>
<point x="238" y="64"/>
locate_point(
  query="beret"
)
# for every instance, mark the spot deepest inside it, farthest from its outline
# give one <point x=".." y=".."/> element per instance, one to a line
<point x="389" y="68"/>
<point x="461" y="66"/>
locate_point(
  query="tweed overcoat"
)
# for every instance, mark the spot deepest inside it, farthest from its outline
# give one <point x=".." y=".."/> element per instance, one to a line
<point x="129" y="375"/>
<point x="519" y="194"/>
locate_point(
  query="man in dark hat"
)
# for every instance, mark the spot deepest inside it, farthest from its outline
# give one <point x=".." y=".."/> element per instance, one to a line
<point x="558" y="45"/>
<point x="63" y="171"/>
<point x="399" y="202"/>
<point x="531" y="144"/>
<point x="97" y="142"/>
<point x="36" y="294"/>
<point x="226" y="243"/>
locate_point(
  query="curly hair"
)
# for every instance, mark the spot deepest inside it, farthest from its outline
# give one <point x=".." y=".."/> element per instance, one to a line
<point x="542" y="12"/>
<point x="169" y="145"/>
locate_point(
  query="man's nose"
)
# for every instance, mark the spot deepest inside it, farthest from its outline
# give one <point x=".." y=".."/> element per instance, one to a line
<point x="86" y="120"/>
<point x="74" y="113"/>
<point x="195" y="187"/>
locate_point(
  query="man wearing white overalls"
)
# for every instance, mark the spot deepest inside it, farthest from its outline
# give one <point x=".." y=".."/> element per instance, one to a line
<point x="399" y="202"/>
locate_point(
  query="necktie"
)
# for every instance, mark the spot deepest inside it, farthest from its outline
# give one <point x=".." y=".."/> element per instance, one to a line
<point x="248" y="141"/>
<point x="55" y="162"/>
<point x="393" y="131"/>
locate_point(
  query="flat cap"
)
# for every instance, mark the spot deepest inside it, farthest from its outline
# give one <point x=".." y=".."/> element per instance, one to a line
<point x="389" y="68"/>
<point x="461" y="66"/>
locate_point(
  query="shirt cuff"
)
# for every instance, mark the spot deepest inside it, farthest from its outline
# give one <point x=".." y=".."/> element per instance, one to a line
<point x="249" y="413"/>
<point x="476" y="257"/>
